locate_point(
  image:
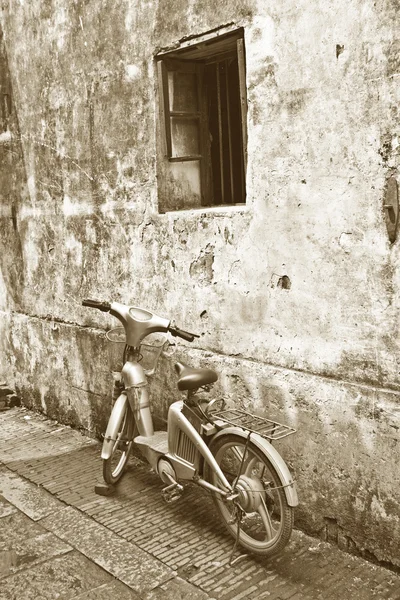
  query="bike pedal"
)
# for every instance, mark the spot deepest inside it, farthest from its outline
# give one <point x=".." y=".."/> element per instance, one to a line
<point x="171" y="497"/>
<point x="172" y="493"/>
<point x="103" y="489"/>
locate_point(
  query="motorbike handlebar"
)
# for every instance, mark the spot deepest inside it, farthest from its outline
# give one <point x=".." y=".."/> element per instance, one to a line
<point x="158" y="325"/>
<point x="99" y="304"/>
<point x="185" y="335"/>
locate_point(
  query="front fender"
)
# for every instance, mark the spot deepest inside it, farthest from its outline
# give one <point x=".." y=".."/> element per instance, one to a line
<point x="114" y="425"/>
<point x="273" y="456"/>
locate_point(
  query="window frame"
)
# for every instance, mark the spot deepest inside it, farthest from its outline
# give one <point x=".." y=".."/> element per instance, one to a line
<point x="193" y="58"/>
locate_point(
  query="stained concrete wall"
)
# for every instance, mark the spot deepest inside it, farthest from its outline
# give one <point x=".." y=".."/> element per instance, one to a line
<point x="79" y="218"/>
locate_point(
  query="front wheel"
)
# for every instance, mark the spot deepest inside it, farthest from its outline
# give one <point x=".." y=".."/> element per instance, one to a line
<point x="260" y="509"/>
<point x="114" y="466"/>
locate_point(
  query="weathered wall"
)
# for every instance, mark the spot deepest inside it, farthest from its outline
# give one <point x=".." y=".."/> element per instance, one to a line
<point x="79" y="218"/>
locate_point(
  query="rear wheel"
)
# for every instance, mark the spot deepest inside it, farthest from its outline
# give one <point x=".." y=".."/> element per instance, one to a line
<point x="114" y="467"/>
<point x="260" y="509"/>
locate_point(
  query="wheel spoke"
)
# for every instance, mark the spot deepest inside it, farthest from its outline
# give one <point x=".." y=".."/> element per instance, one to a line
<point x="266" y="519"/>
<point x="251" y="466"/>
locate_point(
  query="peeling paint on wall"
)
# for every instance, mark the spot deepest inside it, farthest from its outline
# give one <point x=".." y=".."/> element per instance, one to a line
<point x="201" y="269"/>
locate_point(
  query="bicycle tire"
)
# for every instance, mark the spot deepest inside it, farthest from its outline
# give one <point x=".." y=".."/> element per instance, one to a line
<point x="266" y="518"/>
<point x="115" y="466"/>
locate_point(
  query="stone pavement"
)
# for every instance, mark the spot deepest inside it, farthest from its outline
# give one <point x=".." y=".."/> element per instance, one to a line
<point x="58" y="539"/>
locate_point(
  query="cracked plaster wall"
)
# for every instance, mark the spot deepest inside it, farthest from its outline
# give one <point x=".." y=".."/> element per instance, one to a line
<point x="296" y="296"/>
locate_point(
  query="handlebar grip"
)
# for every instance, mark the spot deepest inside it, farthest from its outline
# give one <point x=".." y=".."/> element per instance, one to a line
<point x="185" y="335"/>
<point x="99" y="304"/>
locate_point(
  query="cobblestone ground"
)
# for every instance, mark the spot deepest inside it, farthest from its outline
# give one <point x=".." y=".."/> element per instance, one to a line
<point x="158" y="550"/>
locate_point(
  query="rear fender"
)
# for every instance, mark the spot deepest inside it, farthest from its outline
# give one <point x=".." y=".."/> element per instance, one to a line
<point x="274" y="457"/>
<point x="114" y="424"/>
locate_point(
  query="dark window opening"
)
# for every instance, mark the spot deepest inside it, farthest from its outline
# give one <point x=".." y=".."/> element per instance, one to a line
<point x="203" y="122"/>
<point x="221" y="81"/>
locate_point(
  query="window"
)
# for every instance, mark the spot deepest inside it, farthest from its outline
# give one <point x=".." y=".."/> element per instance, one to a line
<point x="203" y="104"/>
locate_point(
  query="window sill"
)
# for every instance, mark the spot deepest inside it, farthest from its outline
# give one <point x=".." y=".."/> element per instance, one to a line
<point x="222" y="210"/>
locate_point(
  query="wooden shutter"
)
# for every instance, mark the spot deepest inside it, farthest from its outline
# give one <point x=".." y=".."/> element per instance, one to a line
<point x="183" y="121"/>
<point x="180" y="106"/>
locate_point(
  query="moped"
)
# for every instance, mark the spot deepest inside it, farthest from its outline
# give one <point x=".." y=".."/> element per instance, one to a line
<point x="227" y="451"/>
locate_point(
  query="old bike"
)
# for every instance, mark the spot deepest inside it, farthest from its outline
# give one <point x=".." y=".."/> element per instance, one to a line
<point x="227" y="451"/>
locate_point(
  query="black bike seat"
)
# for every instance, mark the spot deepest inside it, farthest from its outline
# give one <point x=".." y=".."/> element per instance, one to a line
<point x="191" y="379"/>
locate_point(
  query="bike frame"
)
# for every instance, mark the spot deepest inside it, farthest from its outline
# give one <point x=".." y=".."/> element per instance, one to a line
<point x="186" y="446"/>
<point x="136" y="393"/>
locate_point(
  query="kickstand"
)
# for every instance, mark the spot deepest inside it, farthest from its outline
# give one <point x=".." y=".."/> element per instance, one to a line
<point x="103" y="489"/>
<point x="234" y="561"/>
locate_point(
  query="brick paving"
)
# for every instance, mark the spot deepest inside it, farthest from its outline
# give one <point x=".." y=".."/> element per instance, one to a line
<point x="35" y="563"/>
<point x="185" y="537"/>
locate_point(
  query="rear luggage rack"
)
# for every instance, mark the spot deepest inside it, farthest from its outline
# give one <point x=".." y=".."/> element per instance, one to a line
<point x="271" y="430"/>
